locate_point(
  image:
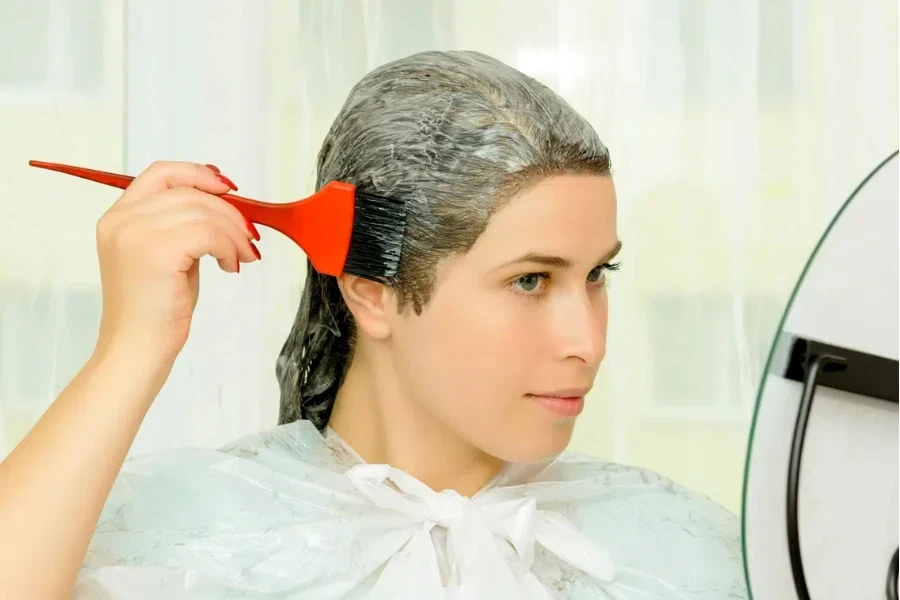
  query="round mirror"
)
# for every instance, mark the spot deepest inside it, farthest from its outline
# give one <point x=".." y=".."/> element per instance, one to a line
<point x="821" y="480"/>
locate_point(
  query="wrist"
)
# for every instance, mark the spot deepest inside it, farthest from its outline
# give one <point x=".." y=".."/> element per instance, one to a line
<point x="134" y="356"/>
<point x="142" y="346"/>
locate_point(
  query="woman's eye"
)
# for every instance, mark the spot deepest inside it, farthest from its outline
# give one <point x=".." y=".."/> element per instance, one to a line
<point x="596" y="275"/>
<point x="599" y="272"/>
<point x="529" y="283"/>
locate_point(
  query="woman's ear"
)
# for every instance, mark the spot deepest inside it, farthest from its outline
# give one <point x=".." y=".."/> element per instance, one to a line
<point x="370" y="303"/>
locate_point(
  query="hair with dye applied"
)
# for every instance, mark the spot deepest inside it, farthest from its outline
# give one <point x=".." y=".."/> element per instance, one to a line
<point x="455" y="135"/>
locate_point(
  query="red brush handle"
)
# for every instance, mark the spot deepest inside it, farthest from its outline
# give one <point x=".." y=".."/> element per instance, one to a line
<point x="321" y="225"/>
<point x="265" y="213"/>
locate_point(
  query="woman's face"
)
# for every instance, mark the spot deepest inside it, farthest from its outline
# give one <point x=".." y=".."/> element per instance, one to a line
<point x="515" y="330"/>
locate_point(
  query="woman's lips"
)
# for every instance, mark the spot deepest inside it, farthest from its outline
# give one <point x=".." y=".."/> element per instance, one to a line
<point x="566" y="406"/>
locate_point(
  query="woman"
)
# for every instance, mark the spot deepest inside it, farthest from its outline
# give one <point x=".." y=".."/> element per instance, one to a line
<point x="423" y="419"/>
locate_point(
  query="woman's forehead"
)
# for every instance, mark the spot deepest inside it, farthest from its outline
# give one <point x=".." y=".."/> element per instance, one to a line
<point x="573" y="214"/>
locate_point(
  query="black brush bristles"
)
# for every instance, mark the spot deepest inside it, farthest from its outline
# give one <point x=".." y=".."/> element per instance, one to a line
<point x="379" y="224"/>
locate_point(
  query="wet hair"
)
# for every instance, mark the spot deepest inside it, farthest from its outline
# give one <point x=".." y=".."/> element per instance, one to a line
<point x="456" y="135"/>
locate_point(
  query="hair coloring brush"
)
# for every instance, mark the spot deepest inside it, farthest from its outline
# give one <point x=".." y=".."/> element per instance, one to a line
<point x="340" y="230"/>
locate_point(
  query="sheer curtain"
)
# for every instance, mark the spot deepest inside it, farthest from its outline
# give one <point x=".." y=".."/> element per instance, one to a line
<point x="736" y="130"/>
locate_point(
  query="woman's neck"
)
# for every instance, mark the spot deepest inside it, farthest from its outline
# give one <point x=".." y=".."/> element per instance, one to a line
<point x="384" y="424"/>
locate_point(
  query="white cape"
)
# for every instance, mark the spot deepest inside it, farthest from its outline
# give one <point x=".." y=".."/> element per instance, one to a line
<point x="290" y="514"/>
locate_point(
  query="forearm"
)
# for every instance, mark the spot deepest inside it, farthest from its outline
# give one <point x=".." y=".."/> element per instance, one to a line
<point x="54" y="484"/>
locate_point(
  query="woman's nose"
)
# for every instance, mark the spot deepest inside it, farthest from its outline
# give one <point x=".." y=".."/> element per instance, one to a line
<point x="581" y="329"/>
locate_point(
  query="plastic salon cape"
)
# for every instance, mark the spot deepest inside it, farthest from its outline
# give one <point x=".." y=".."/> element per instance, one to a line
<point x="293" y="513"/>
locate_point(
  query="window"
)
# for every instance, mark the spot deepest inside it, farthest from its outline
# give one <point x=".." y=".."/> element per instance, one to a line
<point x="58" y="48"/>
<point x="777" y="37"/>
<point x="707" y="353"/>
<point x="46" y="335"/>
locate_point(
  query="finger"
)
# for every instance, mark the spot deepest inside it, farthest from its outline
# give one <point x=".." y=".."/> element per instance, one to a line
<point x="175" y="196"/>
<point x="193" y="212"/>
<point x="199" y="239"/>
<point x="175" y="247"/>
<point x="163" y="175"/>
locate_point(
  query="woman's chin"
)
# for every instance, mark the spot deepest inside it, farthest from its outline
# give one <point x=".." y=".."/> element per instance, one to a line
<point x="539" y="443"/>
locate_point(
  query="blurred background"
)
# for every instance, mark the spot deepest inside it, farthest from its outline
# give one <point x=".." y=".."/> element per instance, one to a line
<point x="737" y="129"/>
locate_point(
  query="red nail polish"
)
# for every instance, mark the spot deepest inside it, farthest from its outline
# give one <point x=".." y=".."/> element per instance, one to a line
<point x="213" y="168"/>
<point x="255" y="251"/>
<point x="227" y="181"/>
<point x="252" y="229"/>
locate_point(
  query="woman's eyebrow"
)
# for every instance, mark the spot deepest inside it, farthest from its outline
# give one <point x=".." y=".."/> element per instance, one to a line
<point x="558" y="262"/>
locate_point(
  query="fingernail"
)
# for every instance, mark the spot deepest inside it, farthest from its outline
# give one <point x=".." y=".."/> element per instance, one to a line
<point x="227" y="181"/>
<point x="213" y="168"/>
<point x="252" y="229"/>
<point x="255" y="251"/>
